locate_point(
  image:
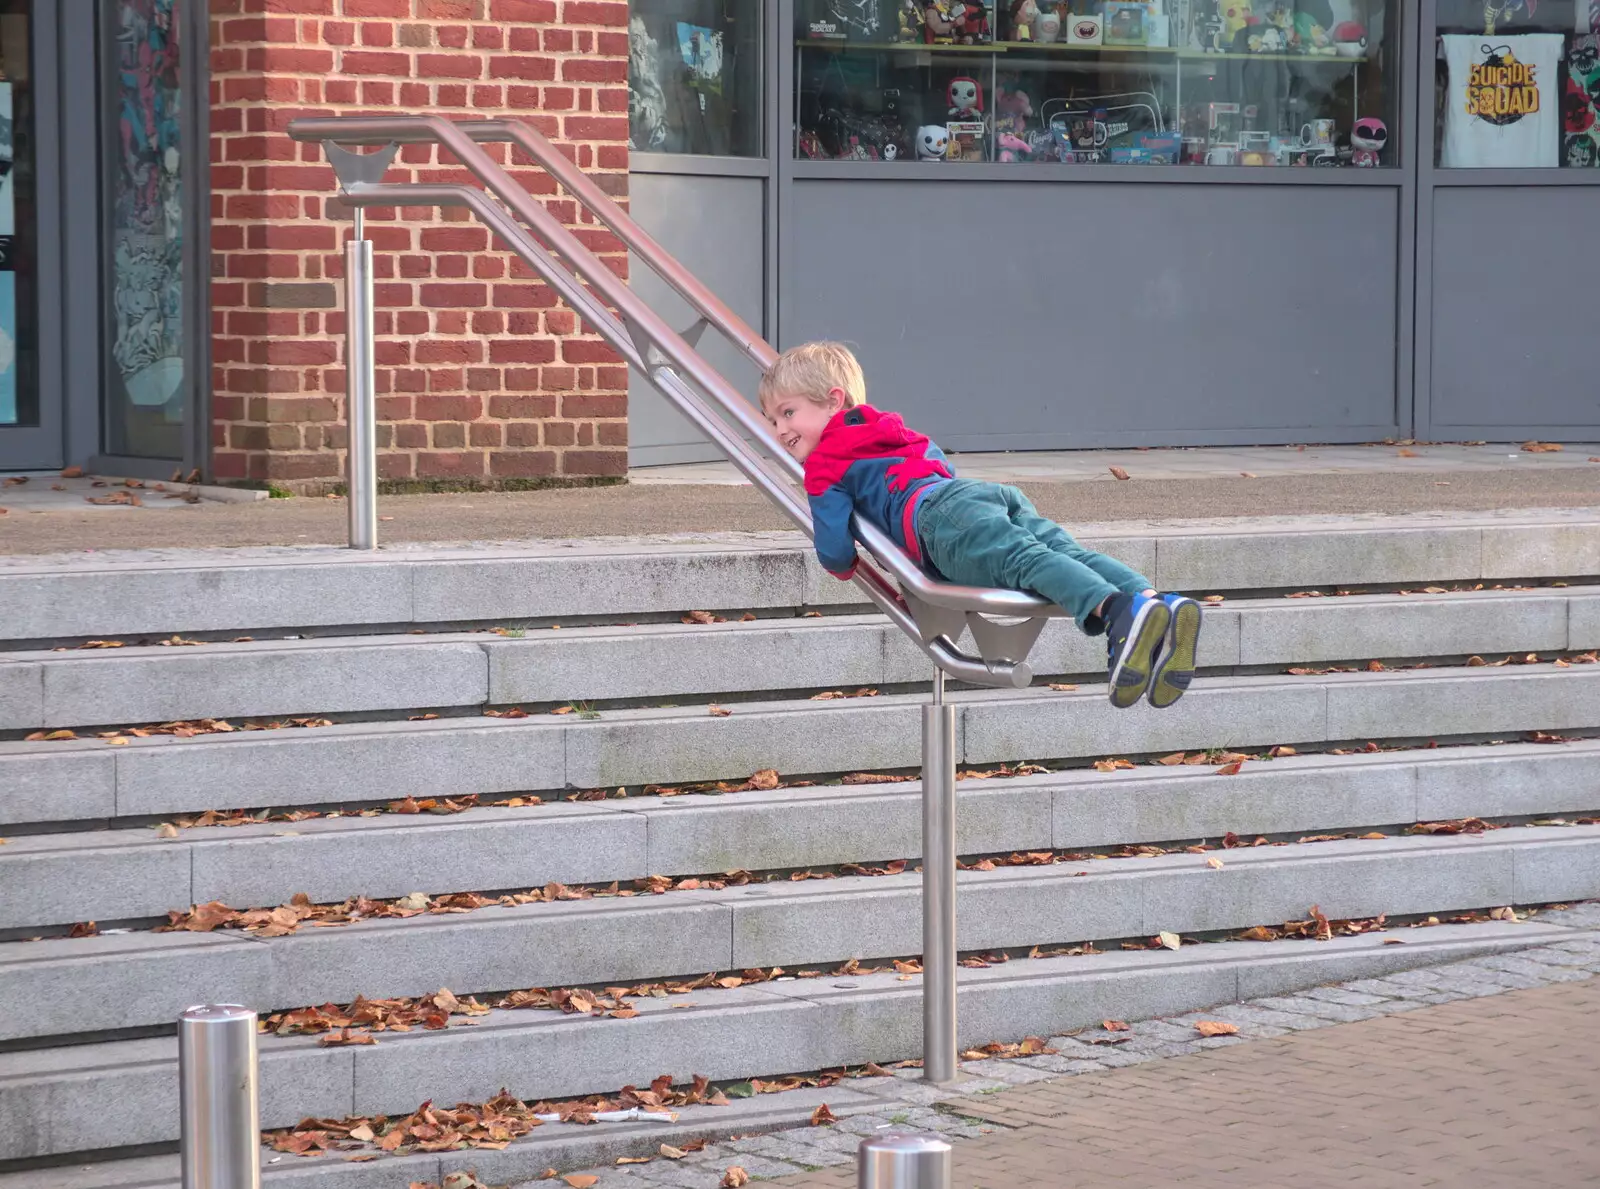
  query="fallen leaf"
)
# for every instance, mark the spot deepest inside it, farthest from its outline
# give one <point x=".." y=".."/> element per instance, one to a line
<point x="1279" y="753"/>
<point x="581" y="1180"/>
<point x="1392" y="941"/>
<point x="1175" y="758"/>
<point x="1170" y="940"/>
<point x="1215" y="1028"/>
<point x="166" y="830"/>
<point x="1119" y="473"/>
<point x="1062" y="688"/>
<point x="634" y="1159"/>
<point x="1540" y="448"/>
<point x="1214" y="863"/>
<point x="720" y="711"/>
<point x="822" y="1116"/>
<point x="1375" y="667"/>
<point x="1247" y="474"/>
<point x="117" y="741"/>
<point x="72" y="472"/>
<point x="1408" y="454"/>
<point x="413" y="901"/>
<point x="346" y="1037"/>
<point x="1258" y="933"/>
<point x="765" y="779"/>
<point x="1212" y="599"/>
<point x="1324" y="928"/>
<point x="1114" y="1026"/>
<point x="671" y="1153"/>
<point x="1230" y="769"/>
<point x="735" y="1178"/>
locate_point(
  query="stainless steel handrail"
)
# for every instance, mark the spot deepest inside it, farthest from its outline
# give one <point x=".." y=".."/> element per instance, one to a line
<point x="640" y="321"/>
<point x="934" y="614"/>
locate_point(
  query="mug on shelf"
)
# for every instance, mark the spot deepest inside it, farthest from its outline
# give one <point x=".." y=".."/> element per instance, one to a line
<point x="1317" y="134"/>
<point x="1222" y="155"/>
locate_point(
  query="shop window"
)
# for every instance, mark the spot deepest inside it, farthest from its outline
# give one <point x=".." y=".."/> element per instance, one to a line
<point x="694" y="77"/>
<point x="1138" y="82"/>
<point x="1518" y="84"/>
<point x="142" y="113"/>
<point x="19" y="387"/>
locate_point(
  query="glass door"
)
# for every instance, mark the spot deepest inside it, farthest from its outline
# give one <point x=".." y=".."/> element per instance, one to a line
<point x="30" y="427"/>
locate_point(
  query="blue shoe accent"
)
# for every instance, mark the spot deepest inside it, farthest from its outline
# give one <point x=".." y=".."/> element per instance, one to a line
<point x="1136" y="628"/>
<point x="1175" y="668"/>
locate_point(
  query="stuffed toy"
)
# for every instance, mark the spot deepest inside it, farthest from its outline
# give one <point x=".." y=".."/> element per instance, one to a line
<point x="932" y="141"/>
<point x="1236" y="15"/>
<point x="1023" y="14"/>
<point x="965" y="99"/>
<point x="1367" y="139"/>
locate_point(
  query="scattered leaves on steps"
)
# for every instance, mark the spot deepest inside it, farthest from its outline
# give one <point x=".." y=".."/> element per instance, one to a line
<point x="1033" y="1046"/>
<point x="832" y="695"/>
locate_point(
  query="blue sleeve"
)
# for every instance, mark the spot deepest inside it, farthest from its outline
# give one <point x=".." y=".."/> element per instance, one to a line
<point x="938" y="455"/>
<point x="830" y="531"/>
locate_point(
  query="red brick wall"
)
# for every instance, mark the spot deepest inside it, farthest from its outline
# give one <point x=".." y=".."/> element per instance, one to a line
<point x="482" y="375"/>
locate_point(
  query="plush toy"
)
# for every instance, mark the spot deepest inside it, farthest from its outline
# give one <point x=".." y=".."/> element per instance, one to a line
<point x="1236" y="15"/>
<point x="1367" y="139"/>
<point x="932" y="141"/>
<point x="965" y="99"/>
<point x="1047" y="27"/>
<point x="1013" y="148"/>
<point x="971" y="22"/>
<point x="1023" y="14"/>
<point x="1012" y="110"/>
<point x="939" y="22"/>
<point x="1350" y="39"/>
<point x="1310" y="37"/>
<point x="911" y="21"/>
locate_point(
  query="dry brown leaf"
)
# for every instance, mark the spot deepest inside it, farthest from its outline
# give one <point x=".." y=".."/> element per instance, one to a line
<point x="1214" y="863"/>
<point x="346" y="1037"/>
<point x="1392" y="941"/>
<point x="1541" y="448"/>
<point x="765" y="779"/>
<point x="1215" y="1028"/>
<point x="634" y="1159"/>
<point x="735" y="1178"/>
<point x="581" y="1180"/>
<point x="1175" y="758"/>
<point x="1258" y="933"/>
<point x="1114" y="1026"/>
<point x="1279" y="753"/>
<point x="1230" y="769"/>
<point x="822" y="1116"/>
<point x="1212" y="599"/>
<point x="671" y="1153"/>
<point x="1119" y="473"/>
<point x="1407" y="454"/>
<point x="72" y="472"/>
<point x="166" y="830"/>
<point x="1171" y="940"/>
<point x="1062" y="688"/>
<point x="719" y="711"/>
<point x="1247" y="474"/>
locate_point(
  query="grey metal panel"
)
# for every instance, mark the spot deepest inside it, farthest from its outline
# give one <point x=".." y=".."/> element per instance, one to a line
<point x="1513" y="324"/>
<point x="716" y="226"/>
<point x="1018" y="316"/>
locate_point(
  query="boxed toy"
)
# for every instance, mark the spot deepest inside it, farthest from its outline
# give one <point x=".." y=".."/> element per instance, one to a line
<point x="1084" y="30"/>
<point x="1125" y="22"/>
<point x="966" y="140"/>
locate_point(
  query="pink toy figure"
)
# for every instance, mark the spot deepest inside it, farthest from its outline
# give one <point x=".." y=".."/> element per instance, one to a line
<point x="1367" y="139"/>
<point x="1013" y="148"/>
<point x="965" y="99"/>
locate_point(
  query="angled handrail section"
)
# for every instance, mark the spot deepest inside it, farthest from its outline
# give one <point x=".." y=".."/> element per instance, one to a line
<point x="934" y="613"/>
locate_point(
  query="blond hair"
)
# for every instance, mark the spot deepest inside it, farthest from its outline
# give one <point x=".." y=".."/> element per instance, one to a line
<point x="812" y="370"/>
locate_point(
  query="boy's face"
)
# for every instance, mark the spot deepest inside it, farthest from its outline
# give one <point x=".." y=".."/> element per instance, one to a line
<point x="799" y="421"/>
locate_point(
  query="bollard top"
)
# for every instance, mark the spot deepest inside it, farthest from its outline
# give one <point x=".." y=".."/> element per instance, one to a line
<point x="904" y="1141"/>
<point x="206" y="1013"/>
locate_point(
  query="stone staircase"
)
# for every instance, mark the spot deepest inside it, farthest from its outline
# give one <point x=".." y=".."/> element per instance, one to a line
<point x="555" y="677"/>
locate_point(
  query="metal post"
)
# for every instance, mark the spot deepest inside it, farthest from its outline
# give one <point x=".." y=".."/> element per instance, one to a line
<point x="898" y="1161"/>
<point x="217" y="1096"/>
<point x="361" y="386"/>
<point x="938" y="887"/>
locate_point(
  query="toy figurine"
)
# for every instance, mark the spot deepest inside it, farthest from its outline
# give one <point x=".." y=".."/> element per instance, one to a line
<point x="965" y="99"/>
<point x="1367" y="139"/>
<point x="939" y="21"/>
<point x="1047" y="26"/>
<point x="1310" y="37"/>
<point x="1014" y="148"/>
<point x="1236" y="15"/>
<point x="972" y="22"/>
<point x="911" y="21"/>
<point x="1011" y="111"/>
<point x="1023" y="14"/>
<point x="932" y="141"/>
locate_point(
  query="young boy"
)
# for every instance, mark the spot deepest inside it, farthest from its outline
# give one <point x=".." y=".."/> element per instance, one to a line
<point x="864" y="462"/>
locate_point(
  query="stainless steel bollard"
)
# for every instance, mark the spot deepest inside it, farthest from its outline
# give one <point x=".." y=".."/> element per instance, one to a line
<point x="897" y="1160"/>
<point x="938" y="887"/>
<point x="361" y="388"/>
<point x="218" y="1103"/>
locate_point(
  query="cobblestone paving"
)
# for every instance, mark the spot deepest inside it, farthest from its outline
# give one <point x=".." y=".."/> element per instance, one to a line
<point x="1477" y="1073"/>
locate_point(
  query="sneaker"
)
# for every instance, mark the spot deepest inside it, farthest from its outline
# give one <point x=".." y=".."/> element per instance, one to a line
<point x="1175" y="668"/>
<point x="1136" y="626"/>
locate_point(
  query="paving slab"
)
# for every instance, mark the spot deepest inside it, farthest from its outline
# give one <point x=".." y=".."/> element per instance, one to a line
<point x="775" y="1028"/>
